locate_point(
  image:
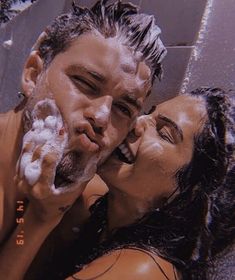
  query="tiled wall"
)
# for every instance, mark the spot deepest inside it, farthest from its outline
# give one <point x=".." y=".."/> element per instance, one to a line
<point x="212" y="62"/>
<point x="180" y="21"/>
<point x="22" y="31"/>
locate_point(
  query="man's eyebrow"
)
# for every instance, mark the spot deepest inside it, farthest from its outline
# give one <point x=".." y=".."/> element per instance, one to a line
<point x="97" y="76"/>
<point x="130" y="98"/>
<point x="173" y="124"/>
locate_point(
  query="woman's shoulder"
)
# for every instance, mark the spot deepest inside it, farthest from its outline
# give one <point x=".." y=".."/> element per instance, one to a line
<point x="128" y="264"/>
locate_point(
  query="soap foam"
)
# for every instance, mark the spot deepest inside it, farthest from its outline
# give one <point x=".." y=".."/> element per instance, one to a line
<point x="33" y="171"/>
<point x="46" y="134"/>
<point x="103" y="112"/>
<point x="153" y="144"/>
<point x="183" y="119"/>
<point x="25" y="160"/>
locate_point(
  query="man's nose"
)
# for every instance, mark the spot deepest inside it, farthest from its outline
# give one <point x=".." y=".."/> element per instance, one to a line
<point x="99" y="113"/>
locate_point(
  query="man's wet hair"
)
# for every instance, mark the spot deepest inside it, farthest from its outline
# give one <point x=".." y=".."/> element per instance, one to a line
<point x="138" y="32"/>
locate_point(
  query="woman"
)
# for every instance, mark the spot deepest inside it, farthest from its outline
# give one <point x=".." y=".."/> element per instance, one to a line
<point x="170" y="205"/>
<point x="170" y="194"/>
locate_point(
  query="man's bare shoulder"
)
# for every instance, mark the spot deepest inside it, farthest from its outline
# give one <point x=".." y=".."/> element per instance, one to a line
<point x="128" y="264"/>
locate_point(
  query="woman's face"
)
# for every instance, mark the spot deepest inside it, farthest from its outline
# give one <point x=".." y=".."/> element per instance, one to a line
<point x="144" y="166"/>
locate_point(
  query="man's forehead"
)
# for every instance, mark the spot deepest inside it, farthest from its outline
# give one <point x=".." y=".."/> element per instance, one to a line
<point x="119" y="66"/>
<point x="133" y="80"/>
<point x="109" y="51"/>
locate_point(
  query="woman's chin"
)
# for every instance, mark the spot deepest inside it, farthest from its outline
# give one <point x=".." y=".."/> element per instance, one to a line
<point x="111" y="165"/>
<point x="113" y="170"/>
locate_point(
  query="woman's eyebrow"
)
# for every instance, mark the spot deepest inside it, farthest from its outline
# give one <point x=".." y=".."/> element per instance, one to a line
<point x="177" y="129"/>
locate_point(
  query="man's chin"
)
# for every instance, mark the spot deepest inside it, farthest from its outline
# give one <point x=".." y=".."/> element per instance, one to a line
<point x="68" y="170"/>
<point x="62" y="181"/>
<point x="75" y="167"/>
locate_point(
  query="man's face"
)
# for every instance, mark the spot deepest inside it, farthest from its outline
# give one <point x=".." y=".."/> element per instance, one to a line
<point x="99" y="89"/>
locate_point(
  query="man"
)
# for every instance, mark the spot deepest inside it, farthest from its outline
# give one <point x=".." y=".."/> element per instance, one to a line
<point x="96" y="66"/>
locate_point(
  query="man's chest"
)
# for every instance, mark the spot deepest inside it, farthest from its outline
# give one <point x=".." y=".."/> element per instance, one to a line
<point x="9" y="206"/>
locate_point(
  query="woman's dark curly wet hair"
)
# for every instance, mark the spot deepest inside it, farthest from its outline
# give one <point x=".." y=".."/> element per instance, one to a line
<point x="191" y="229"/>
<point x="206" y="184"/>
<point x="138" y="32"/>
<point x="199" y="222"/>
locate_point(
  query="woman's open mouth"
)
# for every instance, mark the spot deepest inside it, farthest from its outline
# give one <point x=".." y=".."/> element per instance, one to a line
<point x="124" y="154"/>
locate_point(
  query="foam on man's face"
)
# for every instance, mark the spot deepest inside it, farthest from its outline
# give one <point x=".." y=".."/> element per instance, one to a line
<point x="45" y="133"/>
<point x="47" y="125"/>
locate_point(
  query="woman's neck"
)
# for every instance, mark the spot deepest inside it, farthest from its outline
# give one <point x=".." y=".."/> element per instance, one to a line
<point x="123" y="209"/>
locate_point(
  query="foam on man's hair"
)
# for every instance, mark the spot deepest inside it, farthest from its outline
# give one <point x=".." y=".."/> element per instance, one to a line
<point x="138" y="32"/>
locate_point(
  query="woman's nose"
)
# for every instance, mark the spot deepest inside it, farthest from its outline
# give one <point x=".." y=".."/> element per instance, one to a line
<point x="140" y="126"/>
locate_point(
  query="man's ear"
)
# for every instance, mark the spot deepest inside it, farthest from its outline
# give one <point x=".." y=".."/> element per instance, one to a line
<point x="32" y="69"/>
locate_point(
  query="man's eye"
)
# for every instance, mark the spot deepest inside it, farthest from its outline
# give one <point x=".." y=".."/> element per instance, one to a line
<point x="123" y="109"/>
<point x="83" y="82"/>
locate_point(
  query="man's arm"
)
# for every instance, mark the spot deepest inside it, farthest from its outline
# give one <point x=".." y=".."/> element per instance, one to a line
<point x="44" y="212"/>
<point x="24" y="243"/>
<point x="18" y="252"/>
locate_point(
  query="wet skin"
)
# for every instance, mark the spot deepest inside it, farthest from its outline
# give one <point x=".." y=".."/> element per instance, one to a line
<point x="159" y="146"/>
<point x="99" y="88"/>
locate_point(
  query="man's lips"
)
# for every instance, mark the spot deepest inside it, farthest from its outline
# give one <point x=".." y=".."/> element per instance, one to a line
<point x="87" y="144"/>
<point x="88" y="139"/>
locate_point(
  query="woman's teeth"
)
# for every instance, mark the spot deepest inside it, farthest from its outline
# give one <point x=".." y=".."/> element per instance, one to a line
<point x="126" y="153"/>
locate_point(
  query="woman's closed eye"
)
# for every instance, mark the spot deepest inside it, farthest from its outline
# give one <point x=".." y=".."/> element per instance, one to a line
<point x="166" y="135"/>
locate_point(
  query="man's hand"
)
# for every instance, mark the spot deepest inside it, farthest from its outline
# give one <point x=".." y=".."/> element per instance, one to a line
<point x="43" y="148"/>
<point x="46" y="204"/>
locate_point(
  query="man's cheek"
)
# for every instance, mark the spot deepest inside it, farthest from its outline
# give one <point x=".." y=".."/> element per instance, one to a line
<point x="123" y="134"/>
<point x="111" y="142"/>
<point x="114" y="137"/>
